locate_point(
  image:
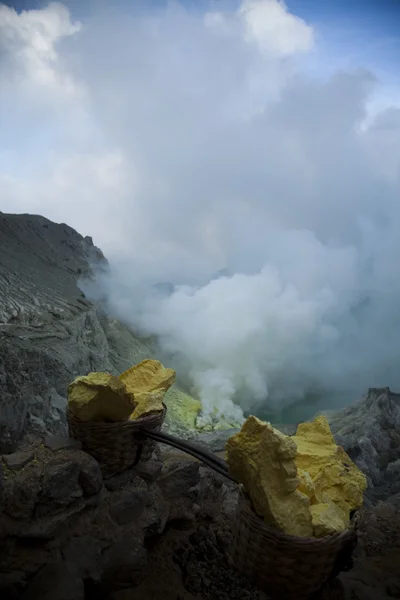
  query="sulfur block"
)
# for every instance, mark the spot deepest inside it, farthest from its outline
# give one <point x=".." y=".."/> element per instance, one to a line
<point x="328" y="519"/>
<point x="147" y="403"/>
<point x="100" y="397"/>
<point x="148" y="376"/>
<point x="263" y="460"/>
<point x="148" y="381"/>
<point x="335" y="476"/>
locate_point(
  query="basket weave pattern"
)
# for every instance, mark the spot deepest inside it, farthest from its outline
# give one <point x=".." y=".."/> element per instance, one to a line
<point x="116" y="446"/>
<point x="282" y="565"/>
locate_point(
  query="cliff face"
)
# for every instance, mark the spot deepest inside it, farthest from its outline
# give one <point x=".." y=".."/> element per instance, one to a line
<point x="49" y="331"/>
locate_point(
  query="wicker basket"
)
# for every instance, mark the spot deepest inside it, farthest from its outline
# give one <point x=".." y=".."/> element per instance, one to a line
<point x="116" y="446"/>
<point x="286" y="566"/>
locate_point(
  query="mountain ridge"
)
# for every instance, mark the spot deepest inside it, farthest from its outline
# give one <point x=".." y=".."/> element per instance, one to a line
<point x="49" y="331"/>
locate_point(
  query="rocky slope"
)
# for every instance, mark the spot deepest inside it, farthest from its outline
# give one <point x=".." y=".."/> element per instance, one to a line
<point x="49" y="332"/>
<point x="369" y="431"/>
<point x="160" y="530"/>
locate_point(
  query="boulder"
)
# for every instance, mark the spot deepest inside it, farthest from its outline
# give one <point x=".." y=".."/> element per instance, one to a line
<point x="21" y="493"/>
<point x="60" y="488"/>
<point x="17" y="460"/>
<point x="130" y="506"/>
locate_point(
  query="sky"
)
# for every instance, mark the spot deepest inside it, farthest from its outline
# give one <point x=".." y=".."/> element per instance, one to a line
<point x="248" y="154"/>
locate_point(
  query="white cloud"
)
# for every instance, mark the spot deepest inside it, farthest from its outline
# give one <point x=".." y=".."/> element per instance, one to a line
<point x="274" y="29"/>
<point x="185" y="149"/>
<point x="29" y="39"/>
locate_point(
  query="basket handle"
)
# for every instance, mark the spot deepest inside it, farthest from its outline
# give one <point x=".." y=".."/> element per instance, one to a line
<point x="205" y="456"/>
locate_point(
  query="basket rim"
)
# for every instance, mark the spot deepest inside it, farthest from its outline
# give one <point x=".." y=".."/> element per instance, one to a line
<point x="246" y="505"/>
<point x="155" y="415"/>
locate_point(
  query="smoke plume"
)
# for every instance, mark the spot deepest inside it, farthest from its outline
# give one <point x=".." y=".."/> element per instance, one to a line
<point x="244" y="191"/>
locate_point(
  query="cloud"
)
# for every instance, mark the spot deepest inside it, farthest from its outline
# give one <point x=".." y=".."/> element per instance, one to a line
<point x="28" y="41"/>
<point x="199" y="150"/>
<point x="276" y="31"/>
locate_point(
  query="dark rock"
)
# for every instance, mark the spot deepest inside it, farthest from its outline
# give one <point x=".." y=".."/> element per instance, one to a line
<point x="183" y="513"/>
<point x="62" y="442"/>
<point x="47" y="527"/>
<point x="149" y="470"/>
<point x="205" y="570"/>
<point x="60" y="488"/>
<point x="124" y="565"/>
<point x="375" y="573"/>
<point x="211" y="493"/>
<point x="155" y="517"/>
<point x="57" y="581"/>
<point x="231" y="495"/>
<point x="21" y="494"/>
<point x="180" y="479"/>
<point x="152" y="522"/>
<point x="18" y="556"/>
<point x="121" y="480"/>
<point x="214" y="440"/>
<point x="17" y="460"/>
<point x="12" y="585"/>
<point x="90" y="477"/>
<point x="93" y="501"/>
<point x="369" y="433"/>
<point x="85" y="554"/>
<point x="129" y="507"/>
<point x="2" y="485"/>
<point x="140" y="484"/>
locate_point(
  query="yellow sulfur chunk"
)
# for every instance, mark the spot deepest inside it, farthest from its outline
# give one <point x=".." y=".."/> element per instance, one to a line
<point x="100" y="397"/>
<point x="148" y="381"/>
<point x="327" y="519"/>
<point x="306" y="484"/>
<point x="147" y="403"/>
<point x="183" y="410"/>
<point x="148" y="376"/>
<point x="262" y="459"/>
<point x="336" y="478"/>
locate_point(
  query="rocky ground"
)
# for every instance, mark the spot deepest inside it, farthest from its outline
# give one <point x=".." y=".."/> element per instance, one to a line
<point x="162" y="530"/>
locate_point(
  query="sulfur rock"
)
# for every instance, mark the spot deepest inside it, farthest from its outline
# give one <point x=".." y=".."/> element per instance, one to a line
<point x="147" y="403"/>
<point x="148" y="381"/>
<point x="182" y="409"/>
<point x="335" y="477"/>
<point x="306" y="484"/>
<point x="263" y="460"/>
<point x="100" y="397"/>
<point x="328" y="519"/>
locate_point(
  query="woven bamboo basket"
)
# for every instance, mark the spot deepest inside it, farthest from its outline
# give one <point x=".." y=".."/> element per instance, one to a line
<point x="116" y="446"/>
<point x="286" y="566"/>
